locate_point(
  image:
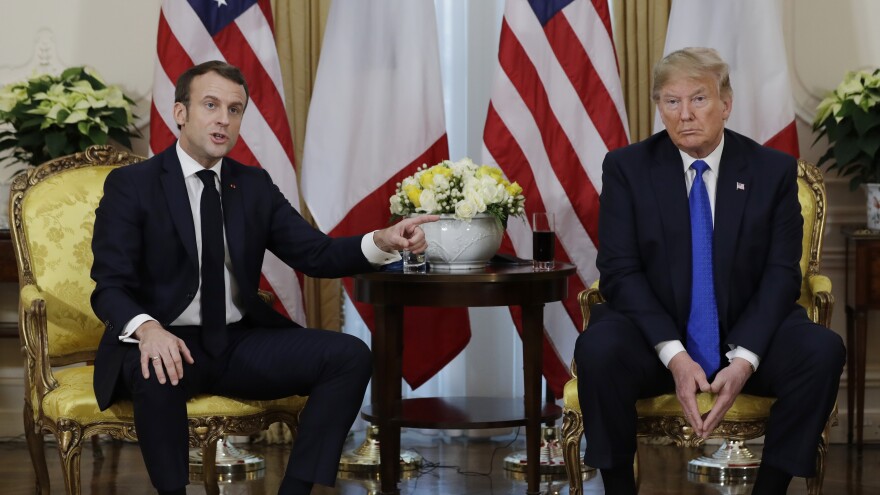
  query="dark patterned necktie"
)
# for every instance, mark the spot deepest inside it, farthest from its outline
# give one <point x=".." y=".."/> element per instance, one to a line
<point x="702" y="328"/>
<point x="213" y="254"/>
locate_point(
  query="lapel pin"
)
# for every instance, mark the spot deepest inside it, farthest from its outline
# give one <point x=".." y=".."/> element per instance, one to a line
<point x="740" y="186"/>
<point x="231" y="186"/>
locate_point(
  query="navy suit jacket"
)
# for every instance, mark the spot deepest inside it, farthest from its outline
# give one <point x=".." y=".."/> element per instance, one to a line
<point x="146" y="260"/>
<point x="644" y="255"/>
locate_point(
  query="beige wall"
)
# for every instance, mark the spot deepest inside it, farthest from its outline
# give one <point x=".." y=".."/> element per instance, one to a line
<point x="118" y="38"/>
<point x="824" y="40"/>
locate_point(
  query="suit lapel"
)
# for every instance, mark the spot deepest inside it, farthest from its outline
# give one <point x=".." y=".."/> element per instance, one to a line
<point x="178" y="202"/>
<point x="667" y="177"/>
<point x="734" y="181"/>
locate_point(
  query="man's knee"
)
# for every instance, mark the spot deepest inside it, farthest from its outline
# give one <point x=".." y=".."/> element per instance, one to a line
<point x="356" y="356"/>
<point x="827" y="350"/>
<point x="603" y="344"/>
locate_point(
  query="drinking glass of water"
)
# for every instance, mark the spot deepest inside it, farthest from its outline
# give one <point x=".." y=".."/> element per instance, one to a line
<point x="543" y="241"/>
<point x="413" y="262"/>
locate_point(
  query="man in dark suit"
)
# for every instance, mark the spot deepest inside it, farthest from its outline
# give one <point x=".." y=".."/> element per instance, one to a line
<point x="178" y="245"/>
<point x="694" y="308"/>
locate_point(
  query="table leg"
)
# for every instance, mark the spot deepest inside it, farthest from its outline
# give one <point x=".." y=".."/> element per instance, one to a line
<point x="851" y="382"/>
<point x="533" y="341"/>
<point x="386" y="391"/>
<point x="861" y="324"/>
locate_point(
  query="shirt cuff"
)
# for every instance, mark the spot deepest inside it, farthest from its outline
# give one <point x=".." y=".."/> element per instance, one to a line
<point x="667" y="349"/>
<point x="742" y="352"/>
<point x="374" y="255"/>
<point x="131" y="326"/>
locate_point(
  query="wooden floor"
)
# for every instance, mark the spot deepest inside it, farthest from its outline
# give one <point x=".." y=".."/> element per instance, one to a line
<point x="456" y="465"/>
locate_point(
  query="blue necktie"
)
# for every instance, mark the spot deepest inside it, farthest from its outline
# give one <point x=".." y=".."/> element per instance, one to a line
<point x="702" y="328"/>
<point x="213" y="286"/>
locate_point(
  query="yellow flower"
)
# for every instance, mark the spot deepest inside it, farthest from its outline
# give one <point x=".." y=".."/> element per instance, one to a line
<point x="427" y="178"/>
<point x="413" y="192"/>
<point x="514" y="189"/>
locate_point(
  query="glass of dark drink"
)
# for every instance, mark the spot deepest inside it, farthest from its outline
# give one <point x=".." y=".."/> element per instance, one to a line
<point x="543" y="241"/>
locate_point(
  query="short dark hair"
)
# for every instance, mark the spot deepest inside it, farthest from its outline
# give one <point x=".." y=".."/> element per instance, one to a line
<point x="224" y="70"/>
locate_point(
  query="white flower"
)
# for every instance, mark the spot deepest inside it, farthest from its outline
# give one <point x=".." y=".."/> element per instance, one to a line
<point x="428" y="201"/>
<point x="397" y="207"/>
<point x="465" y="209"/>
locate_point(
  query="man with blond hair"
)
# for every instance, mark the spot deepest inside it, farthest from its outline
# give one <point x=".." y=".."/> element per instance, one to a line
<point x="700" y="233"/>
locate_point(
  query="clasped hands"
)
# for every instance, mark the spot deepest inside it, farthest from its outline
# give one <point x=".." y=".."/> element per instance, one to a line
<point x="690" y="380"/>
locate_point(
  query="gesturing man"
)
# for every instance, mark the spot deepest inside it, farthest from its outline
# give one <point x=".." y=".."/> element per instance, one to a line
<point x="178" y="245"/>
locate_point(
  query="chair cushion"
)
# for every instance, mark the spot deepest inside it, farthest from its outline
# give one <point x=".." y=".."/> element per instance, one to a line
<point x="745" y="407"/>
<point x="75" y="398"/>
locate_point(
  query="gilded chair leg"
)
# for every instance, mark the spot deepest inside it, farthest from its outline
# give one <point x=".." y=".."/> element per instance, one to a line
<point x="814" y="485"/>
<point x="209" y="468"/>
<point x="69" y="434"/>
<point x="38" y="453"/>
<point x="572" y="431"/>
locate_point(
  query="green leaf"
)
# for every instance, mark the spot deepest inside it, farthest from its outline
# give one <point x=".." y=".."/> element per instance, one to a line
<point x="30" y="139"/>
<point x="854" y="183"/>
<point x="870" y="144"/>
<point x="121" y="137"/>
<point x="55" y="143"/>
<point x="846" y="149"/>
<point x="865" y="121"/>
<point x="97" y="136"/>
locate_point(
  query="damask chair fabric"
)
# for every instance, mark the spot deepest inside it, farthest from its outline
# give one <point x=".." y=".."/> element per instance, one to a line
<point x="53" y="211"/>
<point x="747" y="419"/>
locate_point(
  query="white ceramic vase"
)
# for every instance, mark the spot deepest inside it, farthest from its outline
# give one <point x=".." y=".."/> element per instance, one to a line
<point x="455" y="244"/>
<point x="873" y="192"/>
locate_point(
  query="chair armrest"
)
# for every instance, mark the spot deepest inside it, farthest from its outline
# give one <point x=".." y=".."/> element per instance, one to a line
<point x="39" y="379"/>
<point x="822" y="299"/>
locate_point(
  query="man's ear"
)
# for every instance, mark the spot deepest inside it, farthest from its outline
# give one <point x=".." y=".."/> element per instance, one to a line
<point x="179" y="113"/>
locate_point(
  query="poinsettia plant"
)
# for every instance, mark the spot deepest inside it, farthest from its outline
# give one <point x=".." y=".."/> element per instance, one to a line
<point x="54" y="115"/>
<point x="850" y="117"/>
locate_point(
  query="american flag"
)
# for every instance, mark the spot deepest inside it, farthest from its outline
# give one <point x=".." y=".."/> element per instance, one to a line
<point x="556" y="109"/>
<point x="376" y="115"/>
<point x="240" y="33"/>
<point x="763" y="105"/>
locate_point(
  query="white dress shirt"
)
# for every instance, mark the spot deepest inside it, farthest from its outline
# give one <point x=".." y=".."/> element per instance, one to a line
<point x="666" y="350"/>
<point x="192" y="315"/>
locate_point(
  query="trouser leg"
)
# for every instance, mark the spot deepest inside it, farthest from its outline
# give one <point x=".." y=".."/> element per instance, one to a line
<point x="802" y="370"/>
<point x="615" y="368"/>
<point x="332" y="368"/>
<point x="161" y="425"/>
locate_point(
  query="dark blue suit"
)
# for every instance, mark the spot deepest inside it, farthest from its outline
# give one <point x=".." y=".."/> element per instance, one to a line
<point x="146" y="261"/>
<point x="644" y="262"/>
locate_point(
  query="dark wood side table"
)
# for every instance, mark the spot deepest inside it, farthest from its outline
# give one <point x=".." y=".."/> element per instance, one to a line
<point x="390" y="292"/>
<point x="862" y="295"/>
<point x="8" y="273"/>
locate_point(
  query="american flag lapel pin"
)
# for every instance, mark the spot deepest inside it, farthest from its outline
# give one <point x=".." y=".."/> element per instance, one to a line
<point x="740" y="186"/>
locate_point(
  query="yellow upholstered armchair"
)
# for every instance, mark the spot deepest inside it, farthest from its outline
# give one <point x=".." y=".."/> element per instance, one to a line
<point x="52" y="209"/>
<point x="662" y="416"/>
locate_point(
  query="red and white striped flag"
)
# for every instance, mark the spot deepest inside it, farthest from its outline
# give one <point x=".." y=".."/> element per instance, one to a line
<point x="748" y="35"/>
<point x="240" y="33"/>
<point x="556" y="109"/>
<point x="376" y="115"/>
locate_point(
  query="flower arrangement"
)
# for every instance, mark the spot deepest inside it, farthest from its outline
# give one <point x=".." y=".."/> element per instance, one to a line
<point x="460" y="188"/>
<point x="51" y="116"/>
<point x="850" y="117"/>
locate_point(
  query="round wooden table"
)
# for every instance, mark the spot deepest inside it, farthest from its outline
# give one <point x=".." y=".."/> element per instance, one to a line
<point x="495" y="285"/>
